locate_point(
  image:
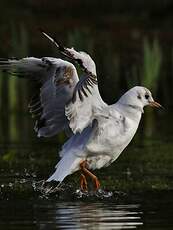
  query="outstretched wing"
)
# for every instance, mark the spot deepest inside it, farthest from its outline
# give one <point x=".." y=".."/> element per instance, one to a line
<point x="56" y="80"/>
<point x="86" y="101"/>
<point x="86" y="97"/>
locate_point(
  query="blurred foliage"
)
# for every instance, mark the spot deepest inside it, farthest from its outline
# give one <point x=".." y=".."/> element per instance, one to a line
<point x="9" y="156"/>
<point x="111" y="76"/>
<point x="142" y="167"/>
<point x="150" y="71"/>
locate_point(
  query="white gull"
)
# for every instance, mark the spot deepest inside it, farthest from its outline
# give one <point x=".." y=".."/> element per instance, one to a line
<point x="98" y="132"/>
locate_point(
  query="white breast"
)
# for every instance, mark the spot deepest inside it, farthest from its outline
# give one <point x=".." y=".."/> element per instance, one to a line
<point x="113" y="134"/>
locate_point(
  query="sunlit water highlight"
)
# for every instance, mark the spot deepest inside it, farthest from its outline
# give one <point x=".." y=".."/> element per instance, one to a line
<point x="153" y="212"/>
<point x="79" y="215"/>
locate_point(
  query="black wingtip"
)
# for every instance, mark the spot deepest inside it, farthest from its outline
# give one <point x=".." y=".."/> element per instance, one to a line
<point x="4" y="59"/>
<point x="42" y="31"/>
<point x="54" y="40"/>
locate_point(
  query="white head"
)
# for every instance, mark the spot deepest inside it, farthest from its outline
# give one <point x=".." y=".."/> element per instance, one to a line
<point x="138" y="97"/>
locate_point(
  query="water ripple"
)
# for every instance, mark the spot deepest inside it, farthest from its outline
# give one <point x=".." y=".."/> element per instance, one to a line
<point x="83" y="215"/>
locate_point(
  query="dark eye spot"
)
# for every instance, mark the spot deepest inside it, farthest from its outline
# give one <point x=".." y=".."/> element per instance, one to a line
<point x="139" y="96"/>
<point x="146" y="96"/>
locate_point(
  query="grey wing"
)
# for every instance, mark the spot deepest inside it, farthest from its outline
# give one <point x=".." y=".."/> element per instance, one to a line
<point x="56" y="80"/>
<point x="86" y="98"/>
<point x="30" y="67"/>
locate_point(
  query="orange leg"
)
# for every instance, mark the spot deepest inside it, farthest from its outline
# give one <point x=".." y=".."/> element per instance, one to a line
<point x="83" y="166"/>
<point x="83" y="183"/>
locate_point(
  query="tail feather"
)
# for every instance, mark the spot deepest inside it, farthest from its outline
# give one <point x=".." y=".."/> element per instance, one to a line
<point x="68" y="164"/>
<point x="72" y="153"/>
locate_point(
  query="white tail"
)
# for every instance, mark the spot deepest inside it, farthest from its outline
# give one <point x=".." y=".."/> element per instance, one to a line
<point x="68" y="164"/>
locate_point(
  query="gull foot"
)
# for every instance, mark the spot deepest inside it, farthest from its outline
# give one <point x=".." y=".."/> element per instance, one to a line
<point x="83" y="183"/>
<point x="86" y="172"/>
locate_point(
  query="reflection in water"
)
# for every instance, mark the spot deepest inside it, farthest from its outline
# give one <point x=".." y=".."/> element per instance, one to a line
<point x="154" y="212"/>
<point x="89" y="216"/>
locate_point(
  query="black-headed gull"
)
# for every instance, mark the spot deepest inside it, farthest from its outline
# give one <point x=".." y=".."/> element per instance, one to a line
<point x="98" y="132"/>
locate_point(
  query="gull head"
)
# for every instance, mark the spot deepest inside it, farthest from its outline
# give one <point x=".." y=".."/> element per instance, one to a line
<point x="138" y="97"/>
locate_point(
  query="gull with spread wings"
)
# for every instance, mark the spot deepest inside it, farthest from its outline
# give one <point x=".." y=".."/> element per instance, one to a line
<point x="98" y="132"/>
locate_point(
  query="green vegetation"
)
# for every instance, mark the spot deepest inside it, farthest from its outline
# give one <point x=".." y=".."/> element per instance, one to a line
<point x="141" y="168"/>
<point x="111" y="73"/>
<point x="152" y="58"/>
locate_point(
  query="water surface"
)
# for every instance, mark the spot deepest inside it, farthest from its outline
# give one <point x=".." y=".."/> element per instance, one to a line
<point x="52" y="214"/>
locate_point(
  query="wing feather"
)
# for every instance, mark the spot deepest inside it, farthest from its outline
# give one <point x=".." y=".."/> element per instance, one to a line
<point x="86" y="97"/>
<point x="60" y="93"/>
<point x="55" y="80"/>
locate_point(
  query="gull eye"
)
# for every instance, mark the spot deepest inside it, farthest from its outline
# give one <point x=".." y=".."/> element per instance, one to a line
<point x="146" y="96"/>
<point x="139" y="96"/>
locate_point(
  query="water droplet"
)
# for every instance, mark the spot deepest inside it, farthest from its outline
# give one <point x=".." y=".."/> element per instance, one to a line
<point x="10" y="184"/>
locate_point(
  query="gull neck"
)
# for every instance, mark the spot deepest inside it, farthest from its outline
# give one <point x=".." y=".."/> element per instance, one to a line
<point x="132" y="111"/>
<point x="135" y="107"/>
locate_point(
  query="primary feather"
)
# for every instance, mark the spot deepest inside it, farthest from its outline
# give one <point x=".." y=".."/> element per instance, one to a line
<point x="56" y="79"/>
